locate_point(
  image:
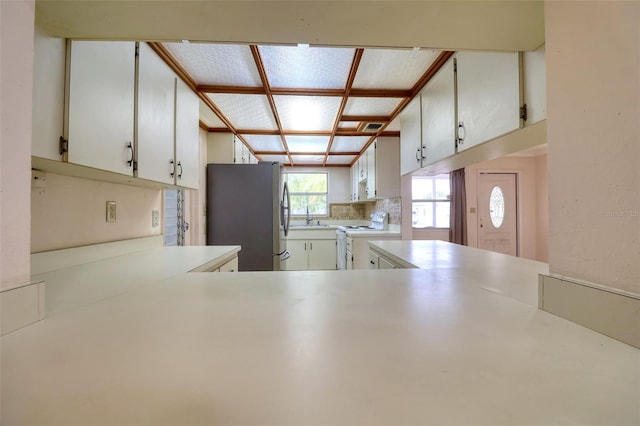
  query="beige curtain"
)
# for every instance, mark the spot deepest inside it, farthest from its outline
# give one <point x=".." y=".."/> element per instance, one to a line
<point x="458" y="226"/>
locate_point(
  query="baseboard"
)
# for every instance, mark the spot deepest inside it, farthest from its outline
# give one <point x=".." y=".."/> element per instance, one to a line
<point x="614" y="314"/>
<point x="22" y="306"/>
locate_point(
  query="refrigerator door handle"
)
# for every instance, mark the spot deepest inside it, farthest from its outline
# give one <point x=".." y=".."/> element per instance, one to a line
<point x="285" y="219"/>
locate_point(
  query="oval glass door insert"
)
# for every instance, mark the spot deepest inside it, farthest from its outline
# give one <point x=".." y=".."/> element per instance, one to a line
<point x="496" y="207"/>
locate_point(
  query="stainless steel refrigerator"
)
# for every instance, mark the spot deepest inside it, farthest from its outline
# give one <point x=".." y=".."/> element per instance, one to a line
<point x="244" y="207"/>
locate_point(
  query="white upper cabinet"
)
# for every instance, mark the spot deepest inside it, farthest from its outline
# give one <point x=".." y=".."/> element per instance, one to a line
<point x="101" y="103"/>
<point x="371" y="162"/>
<point x="187" y="138"/>
<point x="488" y="96"/>
<point x="48" y="95"/>
<point x="411" y="137"/>
<point x="438" y="116"/>
<point x="387" y="167"/>
<point x="156" y="126"/>
<point x="535" y="85"/>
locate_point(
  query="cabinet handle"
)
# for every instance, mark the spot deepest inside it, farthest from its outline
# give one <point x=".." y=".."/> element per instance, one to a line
<point x="424" y="152"/>
<point x="310" y="246"/>
<point x="130" y="160"/>
<point x="173" y="168"/>
<point x="418" y="155"/>
<point x="180" y="172"/>
<point x="372" y="262"/>
<point x="305" y="246"/>
<point x="461" y="132"/>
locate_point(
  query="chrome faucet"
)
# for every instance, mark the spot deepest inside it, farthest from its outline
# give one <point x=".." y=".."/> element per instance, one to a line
<point x="309" y="218"/>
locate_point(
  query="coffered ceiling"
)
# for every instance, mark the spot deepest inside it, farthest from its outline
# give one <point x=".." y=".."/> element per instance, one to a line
<point x="296" y="104"/>
<point x="302" y="105"/>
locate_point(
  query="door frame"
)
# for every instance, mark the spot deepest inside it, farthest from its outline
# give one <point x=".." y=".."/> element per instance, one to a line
<point x="518" y="206"/>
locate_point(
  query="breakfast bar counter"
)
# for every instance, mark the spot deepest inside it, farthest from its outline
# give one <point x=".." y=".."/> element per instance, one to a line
<point x="434" y="346"/>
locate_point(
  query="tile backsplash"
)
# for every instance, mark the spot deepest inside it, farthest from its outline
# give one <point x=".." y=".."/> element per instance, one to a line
<point x="362" y="211"/>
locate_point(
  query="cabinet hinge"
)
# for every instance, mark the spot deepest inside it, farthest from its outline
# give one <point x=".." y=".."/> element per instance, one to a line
<point x="63" y="145"/>
<point x="523" y="112"/>
<point x="135" y="166"/>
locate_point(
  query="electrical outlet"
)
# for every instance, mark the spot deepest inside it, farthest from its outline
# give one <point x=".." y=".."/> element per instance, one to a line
<point x="155" y="218"/>
<point x="111" y="211"/>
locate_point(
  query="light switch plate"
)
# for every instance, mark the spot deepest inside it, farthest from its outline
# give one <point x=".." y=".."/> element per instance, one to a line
<point x="111" y="211"/>
<point x="155" y="219"/>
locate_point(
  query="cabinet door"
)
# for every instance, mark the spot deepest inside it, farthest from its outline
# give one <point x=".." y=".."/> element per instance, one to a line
<point x="411" y="137"/>
<point x="373" y="260"/>
<point x="322" y="254"/>
<point x="488" y="96"/>
<point x="48" y="93"/>
<point x="298" y="259"/>
<point x="438" y="116"/>
<point x="230" y="266"/>
<point x="100" y="108"/>
<point x="387" y="174"/>
<point x="383" y="263"/>
<point x="371" y="171"/>
<point x="156" y="105"/>
<point x="535" y="85"/>
<point x="238" y="149"/>
<point x="187" y="137"/>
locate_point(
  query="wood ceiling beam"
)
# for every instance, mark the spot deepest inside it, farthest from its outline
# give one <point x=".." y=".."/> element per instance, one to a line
<point x="252" y="90"/>
<point x="376" y="118"/>
<point x="357" y="57"/>
<point x="265" y="83"/>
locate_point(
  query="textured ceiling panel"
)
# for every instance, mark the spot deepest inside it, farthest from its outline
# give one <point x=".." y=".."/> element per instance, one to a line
<point x="208" y="117"/>
<point x="282" y="159"/>
<point x="245" y="111"/>
<point x="307" y="143"/>
<point x="348" y="143"/>
<point x="307" y="159"/>
<point x="393" y="126"/>
<point x="303" y="67"/>
<point x="264" y="142"/>
<point x="341" y="159"/>
<point x="371" y="106"/>
<point x="392" y="69"/>
<point x="217" y="64"/>
<point x="307" y="112"/>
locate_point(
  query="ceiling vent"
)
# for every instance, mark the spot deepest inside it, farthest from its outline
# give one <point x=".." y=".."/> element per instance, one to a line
<point x="372" y="127"/>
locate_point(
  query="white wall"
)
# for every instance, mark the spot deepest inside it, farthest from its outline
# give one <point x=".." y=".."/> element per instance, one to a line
<point x="16" y="71"/>
<point x="71" y="212"/>
<point x="593" y="63"/>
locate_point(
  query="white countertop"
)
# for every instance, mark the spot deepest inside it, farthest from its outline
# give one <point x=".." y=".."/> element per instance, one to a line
<point x="388" y="347"/>
<point x="76" y="286"/>
<point x="514" y="277"/>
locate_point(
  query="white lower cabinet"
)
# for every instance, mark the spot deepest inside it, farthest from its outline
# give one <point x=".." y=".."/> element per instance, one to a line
<point x="311" y="255"/>
<point x="378" y="261"/>
<point x="358" y="249"/>
<point x="230" y="266"/>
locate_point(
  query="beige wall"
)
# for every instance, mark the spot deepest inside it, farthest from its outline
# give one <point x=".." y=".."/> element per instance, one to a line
<point x="593" y="63"/>
<point x="16" y="69"/>
<point x="71" y="212"/>
<point x="542" y="210"/>
<point x="530" y="190"/>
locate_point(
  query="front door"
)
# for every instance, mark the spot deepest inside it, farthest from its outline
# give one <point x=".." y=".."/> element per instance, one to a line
<point x="497" y="212"/>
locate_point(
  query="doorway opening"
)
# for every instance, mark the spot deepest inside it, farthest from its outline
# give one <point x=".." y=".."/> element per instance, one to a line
<point x="498" y="212"/>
